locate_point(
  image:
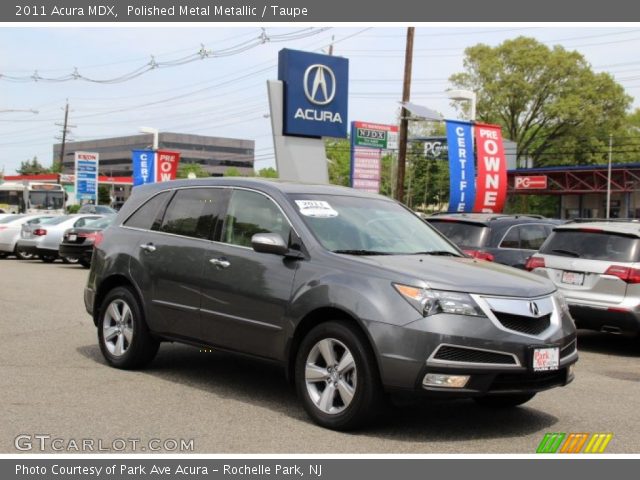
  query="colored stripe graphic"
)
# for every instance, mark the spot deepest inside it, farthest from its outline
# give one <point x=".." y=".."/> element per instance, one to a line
<point x="550" y="442"/>
<point x="598" y="443"/>
<point x="574" y="443"/>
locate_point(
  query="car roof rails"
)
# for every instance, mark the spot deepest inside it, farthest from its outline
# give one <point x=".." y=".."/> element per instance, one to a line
<point x="610" y="220"/>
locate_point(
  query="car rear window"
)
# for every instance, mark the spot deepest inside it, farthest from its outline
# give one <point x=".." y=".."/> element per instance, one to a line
<point x="463" y="234"/>
<point x="592" y="245"/>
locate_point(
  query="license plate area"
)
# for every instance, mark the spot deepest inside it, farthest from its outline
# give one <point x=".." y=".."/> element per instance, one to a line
<point x="545" y="358"/>
<point x="73" y="238"/>
<point x="573" y="278"/>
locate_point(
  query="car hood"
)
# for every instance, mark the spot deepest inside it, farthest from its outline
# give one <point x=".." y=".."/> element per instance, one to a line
<point x="464" y="275"/>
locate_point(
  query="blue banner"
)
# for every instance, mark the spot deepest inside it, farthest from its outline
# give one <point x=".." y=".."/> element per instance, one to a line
<point x="143" y="166"/>
<point x="462" y="172"/>
<point x="316" y="92"/>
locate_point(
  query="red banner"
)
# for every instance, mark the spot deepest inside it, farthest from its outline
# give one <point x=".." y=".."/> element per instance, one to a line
<point x="166" y="165"/>
<point x="530" y="182"/>
<point x="491" y="182"/>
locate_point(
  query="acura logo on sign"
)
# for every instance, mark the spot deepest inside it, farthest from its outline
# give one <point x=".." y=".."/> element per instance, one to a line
<point x="319" y="84"/>
<point x="533" y="308"/>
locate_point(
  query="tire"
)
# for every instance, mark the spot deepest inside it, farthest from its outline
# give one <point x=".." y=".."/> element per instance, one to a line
<point x="120" y="349"/>
<point x="356" y="393"/>
<point x="70" y="261"/>
<point x="23" y="255"/>
<point x="84" y="263"/>
<point x="504" y="401"/>
<point x="47" y="258"/>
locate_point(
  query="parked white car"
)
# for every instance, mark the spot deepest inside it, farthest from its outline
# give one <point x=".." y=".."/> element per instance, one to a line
<point x="44" y="239"/>
<point x="10" y="228"/>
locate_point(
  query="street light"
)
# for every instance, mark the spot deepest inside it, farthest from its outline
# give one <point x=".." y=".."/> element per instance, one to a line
<point x="468" y="95"/>
<point x="155" y="132"/>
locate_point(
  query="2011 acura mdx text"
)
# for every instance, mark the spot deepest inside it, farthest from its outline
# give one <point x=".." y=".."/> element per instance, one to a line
<point x="354" y="295"/>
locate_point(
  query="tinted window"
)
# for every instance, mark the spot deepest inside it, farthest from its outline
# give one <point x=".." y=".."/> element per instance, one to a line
<point x="147" y="215"/>
<point x="592" y="245"/>
<point x="511" y="239"/>
<point x="532" y="236"/>
<point x="250" y="213"/>
<point x="191" y="212"/>
<point x="461" y="233"/>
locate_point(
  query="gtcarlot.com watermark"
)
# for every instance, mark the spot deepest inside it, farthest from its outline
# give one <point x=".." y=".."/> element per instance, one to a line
<point x="26" y="442"/>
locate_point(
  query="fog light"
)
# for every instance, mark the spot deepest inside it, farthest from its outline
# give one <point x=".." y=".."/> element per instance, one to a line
<point x="448" y="381"/>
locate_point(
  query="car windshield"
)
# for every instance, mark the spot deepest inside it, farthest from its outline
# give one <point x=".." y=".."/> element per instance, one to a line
<point x="592" y="245"/>
<point x="44" y="200"/>
<point x="368" y="226"/>
<point x="100" y="223"/>
<point x="462" y="233"/>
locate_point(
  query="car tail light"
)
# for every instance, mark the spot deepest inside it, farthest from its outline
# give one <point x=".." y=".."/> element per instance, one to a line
<point x="626" y="274"/>
<point x="480" y="255"/>
<point x="97" y="239"/>
<point x="534" y="262"/>
<point x="89" y="236"/>
<point x="39" y="232"/>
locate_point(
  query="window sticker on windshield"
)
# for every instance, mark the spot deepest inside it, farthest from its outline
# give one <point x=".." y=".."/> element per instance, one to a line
<point x="316" y="209"/>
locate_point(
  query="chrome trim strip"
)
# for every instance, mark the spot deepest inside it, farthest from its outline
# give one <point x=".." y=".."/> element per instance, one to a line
<point x="432" y="359"/>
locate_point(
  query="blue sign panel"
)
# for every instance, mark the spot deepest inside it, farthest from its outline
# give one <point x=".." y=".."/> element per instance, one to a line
<point x="316" y="92"/>
<point x="143" y="166"/>
<point x="462" y="172"/>
<point x="86" y="176"/>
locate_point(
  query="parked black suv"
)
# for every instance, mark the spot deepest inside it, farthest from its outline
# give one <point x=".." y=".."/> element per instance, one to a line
<point x="506" y="239"/>
<point x="350" y="292"/>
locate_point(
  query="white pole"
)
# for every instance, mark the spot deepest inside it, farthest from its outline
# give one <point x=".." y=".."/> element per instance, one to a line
<point x="609" y="176"/>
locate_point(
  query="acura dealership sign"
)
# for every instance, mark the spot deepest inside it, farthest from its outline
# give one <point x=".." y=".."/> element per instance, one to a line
<point x="316" y="89"/>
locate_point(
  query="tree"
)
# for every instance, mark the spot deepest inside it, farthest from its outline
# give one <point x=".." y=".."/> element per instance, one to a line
<point x="232" y="172"/>
<point x="32" y="167"/>
<point x="184" y="169"/>
<point x="339" y="156"/>
<point x="268" y="172"/>
<point x="104" y="195"/>
<point x="548" y="100"/>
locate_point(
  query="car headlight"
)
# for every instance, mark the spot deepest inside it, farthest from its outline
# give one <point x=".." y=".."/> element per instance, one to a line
<point x="430" y="302"/>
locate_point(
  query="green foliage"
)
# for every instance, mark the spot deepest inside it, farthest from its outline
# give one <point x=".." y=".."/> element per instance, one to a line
<point x="32" y="167"/>
<point x="184" y="169"/>
<point x="269" y="172"/>
<point x="547" y="205"/>
<point x="232" y="172"/>
<point x="548" y="100"/>
<point x="339" y="156"/>
<point x="104" y="195"/>
<point x="73" y="208"/>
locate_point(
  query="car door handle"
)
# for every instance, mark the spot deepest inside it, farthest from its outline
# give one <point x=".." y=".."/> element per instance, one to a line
<point x="220" y="262"/>
<point x="148" y="247"/>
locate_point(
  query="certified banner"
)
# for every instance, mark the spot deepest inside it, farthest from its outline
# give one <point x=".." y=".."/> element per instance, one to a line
<point x="461" y="166"/>
<point x="491" y="184"/>
<point x="143" y="166"/>
<point x="166" y="165"/>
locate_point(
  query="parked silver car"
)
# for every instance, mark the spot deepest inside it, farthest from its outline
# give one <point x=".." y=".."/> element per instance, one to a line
<point x="596" y="265"/>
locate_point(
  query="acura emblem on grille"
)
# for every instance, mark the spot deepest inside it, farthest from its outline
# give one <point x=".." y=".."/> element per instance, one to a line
<point x="533" y="308"/>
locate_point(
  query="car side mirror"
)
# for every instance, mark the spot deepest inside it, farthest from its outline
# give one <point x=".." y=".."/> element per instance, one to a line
<point x="269" y="243"/>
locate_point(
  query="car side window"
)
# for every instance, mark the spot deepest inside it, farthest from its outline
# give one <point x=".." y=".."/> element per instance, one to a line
<point x="512" y="238"/>
<point x="193" y="212"/>
<point x="250" y="213"/>
<point x="81" y="222"/>
<point x="147" y="217"/>
<point x="532" y="236"/>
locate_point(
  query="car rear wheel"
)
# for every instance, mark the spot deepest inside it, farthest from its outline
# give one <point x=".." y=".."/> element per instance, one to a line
<point x="336" y="376"/>
<point x="504" y="401"/>
<point x="23" y="255"/>
<point x="123" y="335"/>
<point x="69" y="260"/>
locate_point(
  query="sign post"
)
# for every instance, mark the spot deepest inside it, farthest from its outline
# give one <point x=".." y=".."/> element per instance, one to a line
<point x="86" y="177"/>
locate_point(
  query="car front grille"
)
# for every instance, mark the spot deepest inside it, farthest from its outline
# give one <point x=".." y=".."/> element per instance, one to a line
<point x="450" y="353"/>
<point x="568" y="349"/>
<point x="522" y="324"/>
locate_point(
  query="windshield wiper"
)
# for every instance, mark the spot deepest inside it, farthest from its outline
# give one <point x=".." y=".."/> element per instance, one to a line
<point x="569" y="253"/>
<point x="443" y="253"/>
<point x="361" y="252"/>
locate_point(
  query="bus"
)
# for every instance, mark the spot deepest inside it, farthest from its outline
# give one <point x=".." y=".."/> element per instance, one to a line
<point x="32" y="197"/>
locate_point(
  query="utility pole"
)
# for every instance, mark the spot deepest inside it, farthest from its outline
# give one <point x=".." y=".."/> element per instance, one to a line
<point x="608" y="177"/>
<point x="333" y="37"/>
<point x="64" y="126"/>
<point x="404" y="116"/>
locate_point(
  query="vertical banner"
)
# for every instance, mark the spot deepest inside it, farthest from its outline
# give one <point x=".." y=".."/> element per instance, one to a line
<point x="166" y="165"/>
<point x="491" y="184"/>
<point x="461" y="166"/>
<point x="143" y="166"/>
<point x="86" y="177"/>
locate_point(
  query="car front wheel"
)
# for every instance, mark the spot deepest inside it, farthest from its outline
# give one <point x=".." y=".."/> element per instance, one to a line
<point x="125" y="340"/>
<point x="336" y="376"/>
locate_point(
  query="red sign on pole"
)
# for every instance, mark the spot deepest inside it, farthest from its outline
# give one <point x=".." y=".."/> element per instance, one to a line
<point x="530" y="182"/>
<point x="491" y="182"/>
<point x="166" y="165"/>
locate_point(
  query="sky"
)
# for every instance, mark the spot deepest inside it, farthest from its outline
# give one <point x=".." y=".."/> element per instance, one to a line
<point x="225" y="94"/>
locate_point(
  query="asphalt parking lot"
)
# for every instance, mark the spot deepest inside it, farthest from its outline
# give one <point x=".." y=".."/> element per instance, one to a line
<point x="53" y="381"/>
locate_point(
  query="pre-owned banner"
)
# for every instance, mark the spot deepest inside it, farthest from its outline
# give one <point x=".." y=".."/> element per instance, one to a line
<point x="461" y="166"/>
<point x="143" y="166"/>
<point x="166" y="165"/>
<point x="491" y="183"/>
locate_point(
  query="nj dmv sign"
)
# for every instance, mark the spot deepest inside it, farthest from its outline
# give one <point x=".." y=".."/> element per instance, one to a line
<point x="316" y="90"/>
